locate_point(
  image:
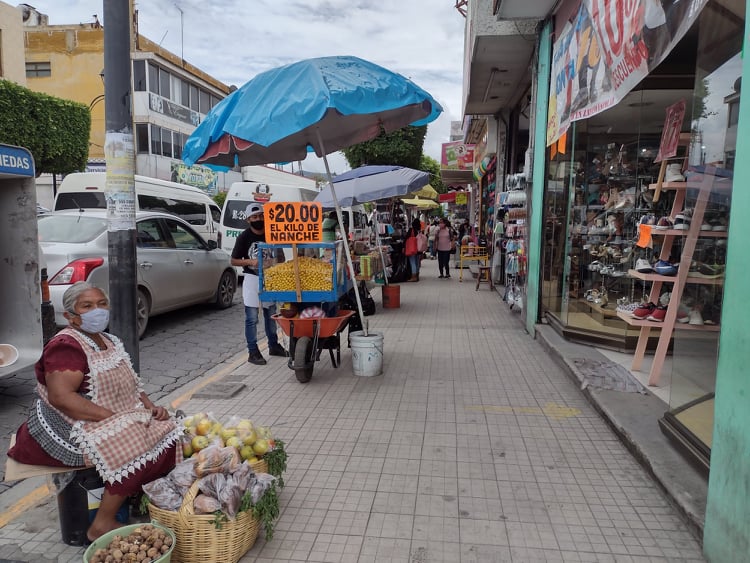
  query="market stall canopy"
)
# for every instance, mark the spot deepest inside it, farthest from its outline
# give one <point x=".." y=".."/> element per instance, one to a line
<point x="316" y="105"/>
<point x="420" y="203"/>
<point x="428" y="192"/>
<point x="371" y="183"/>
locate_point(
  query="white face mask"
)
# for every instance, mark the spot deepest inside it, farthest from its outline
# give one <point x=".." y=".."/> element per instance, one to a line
<point x="95" y="321"/>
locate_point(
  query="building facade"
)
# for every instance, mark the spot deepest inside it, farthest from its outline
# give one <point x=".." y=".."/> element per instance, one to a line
<point x="632" y="147"/>
<point x="170" y="96"/>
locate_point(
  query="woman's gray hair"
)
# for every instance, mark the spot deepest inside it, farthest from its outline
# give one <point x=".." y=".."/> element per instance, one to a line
<point x="71" y="295"/>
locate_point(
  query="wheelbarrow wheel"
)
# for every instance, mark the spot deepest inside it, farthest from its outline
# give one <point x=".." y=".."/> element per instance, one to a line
<point x="303" y="356"/>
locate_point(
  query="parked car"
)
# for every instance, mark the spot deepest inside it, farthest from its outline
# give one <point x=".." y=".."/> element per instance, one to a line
<point x="176" y="267"/>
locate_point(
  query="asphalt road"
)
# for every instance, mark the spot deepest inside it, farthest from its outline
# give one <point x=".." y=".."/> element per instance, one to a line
<point x="177" y="348"/>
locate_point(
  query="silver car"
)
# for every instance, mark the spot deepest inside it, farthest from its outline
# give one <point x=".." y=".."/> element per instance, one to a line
<point x="176" y="267"/>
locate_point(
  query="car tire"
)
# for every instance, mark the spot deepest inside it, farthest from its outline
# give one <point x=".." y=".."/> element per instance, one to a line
<point x="225" y="290"/>
<point x="142" y="309"/>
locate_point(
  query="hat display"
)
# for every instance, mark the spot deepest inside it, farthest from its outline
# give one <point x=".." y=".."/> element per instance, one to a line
<point x="8" y="354"/>
<point x="253" y="208"/>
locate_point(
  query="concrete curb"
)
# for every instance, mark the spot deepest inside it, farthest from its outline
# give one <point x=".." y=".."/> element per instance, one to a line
<point x="634" y="418"/>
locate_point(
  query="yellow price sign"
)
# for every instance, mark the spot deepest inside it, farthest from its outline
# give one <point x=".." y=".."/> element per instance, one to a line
<point x="295" y="222"/>
<point x="461" y="199"/>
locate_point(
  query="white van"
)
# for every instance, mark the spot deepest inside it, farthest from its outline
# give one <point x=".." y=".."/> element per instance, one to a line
<point x="85" y="190"/>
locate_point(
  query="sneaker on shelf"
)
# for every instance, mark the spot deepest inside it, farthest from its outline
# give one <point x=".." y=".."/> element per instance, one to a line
<point x="627" y="308"/>
<point x="643" y="310"/>
<point x="664" y="299"/>
<point x="674" y="173"/>
<point x="683" y="314"/>
<point x="719" y="224"/>
<point x="648" y="220"/>
<point x="663" y="224"/>
<point x="665" y="268"/>
<point x="709" y="271"/>
<point x="643" y="266"/>
<point x="658" y="314"/>
<point x="706" y="226"/>
<point x="681" y="222"/>
<point x="695" y="317"/>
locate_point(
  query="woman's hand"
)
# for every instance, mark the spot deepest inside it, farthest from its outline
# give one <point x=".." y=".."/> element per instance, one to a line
<point x="159" y="413"/>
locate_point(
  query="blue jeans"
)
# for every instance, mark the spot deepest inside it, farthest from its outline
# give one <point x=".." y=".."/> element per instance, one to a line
<point x="414" y="264"/>
<point x="251" y="330"/>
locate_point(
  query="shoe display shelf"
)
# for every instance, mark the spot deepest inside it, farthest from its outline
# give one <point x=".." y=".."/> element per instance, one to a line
<point x="704" y="185"/>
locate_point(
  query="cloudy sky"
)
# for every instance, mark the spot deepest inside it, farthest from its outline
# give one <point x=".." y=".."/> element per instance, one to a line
<point x="233" y="40"/>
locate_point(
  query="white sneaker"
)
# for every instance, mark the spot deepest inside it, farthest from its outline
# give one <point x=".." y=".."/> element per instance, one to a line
<point x="643" y="266"/>
<point x="674" y="173"/>
<point x="695" y="317"/>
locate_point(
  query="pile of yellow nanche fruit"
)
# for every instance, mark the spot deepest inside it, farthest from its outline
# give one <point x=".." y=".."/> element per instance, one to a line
<point x="314" y="274"/>
<point x="201" y="431"/>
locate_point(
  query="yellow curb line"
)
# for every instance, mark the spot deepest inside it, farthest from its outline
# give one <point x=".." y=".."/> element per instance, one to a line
<point x="24" y="504"/>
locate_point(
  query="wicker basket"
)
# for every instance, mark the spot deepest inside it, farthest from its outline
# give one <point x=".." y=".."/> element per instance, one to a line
<point x="198" y="540"/>
<point x="260" y="466"/>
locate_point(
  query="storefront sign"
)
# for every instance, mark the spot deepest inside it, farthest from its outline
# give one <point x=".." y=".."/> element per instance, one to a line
<point x="606" y="50"/>
<point x="176" y="111"/>
<point x="293" y="222"/>
<point x="670" y="135"/>
<point x="461" y="198"/>
<point x="457" y="156"/>
<point x="16" y="162"/>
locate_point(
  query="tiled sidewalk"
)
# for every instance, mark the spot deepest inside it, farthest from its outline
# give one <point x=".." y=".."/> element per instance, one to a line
<point x="473" y="446"/>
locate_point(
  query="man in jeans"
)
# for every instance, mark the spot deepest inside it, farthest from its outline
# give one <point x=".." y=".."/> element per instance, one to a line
<point x="246" y="254"/>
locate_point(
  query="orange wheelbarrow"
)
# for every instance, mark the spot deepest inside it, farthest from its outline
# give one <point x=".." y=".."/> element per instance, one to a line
<point x="308" y="337"/>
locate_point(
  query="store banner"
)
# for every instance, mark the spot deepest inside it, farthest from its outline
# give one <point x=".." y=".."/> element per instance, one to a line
<point x="606" y="50"/>
<point x="457" y="156"/>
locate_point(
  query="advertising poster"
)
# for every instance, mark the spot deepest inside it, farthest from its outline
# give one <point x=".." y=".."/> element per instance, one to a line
<point x="457" y="156"/>
<point x="670" y="135"/>
<point x="119" y="151"/>
<point x="606" y="50"/>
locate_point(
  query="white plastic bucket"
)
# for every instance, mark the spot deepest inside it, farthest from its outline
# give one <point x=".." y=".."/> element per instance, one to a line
<point x="367" y="353"/>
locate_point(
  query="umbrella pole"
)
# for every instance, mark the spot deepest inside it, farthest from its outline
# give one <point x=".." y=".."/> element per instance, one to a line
<point x="380" y="246"/>
<point x="340" y="218"/>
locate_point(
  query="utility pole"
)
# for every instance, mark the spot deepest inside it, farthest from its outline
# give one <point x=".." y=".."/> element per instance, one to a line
<point x="119" y="151"/>
<point x="182" y="33"/>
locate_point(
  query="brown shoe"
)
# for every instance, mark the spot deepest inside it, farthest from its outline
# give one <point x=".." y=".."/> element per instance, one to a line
<point x="412" y="279"/>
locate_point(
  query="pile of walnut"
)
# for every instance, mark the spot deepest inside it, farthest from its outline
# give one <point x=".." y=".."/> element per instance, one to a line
<point x="144" y="544"/>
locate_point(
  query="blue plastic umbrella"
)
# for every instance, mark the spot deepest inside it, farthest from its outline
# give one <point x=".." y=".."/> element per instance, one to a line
<point x="320" y="105"/>
<point x="371" y="183"/>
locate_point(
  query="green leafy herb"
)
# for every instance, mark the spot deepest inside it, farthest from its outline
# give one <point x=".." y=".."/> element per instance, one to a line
<point x="266" y="510"/>
<point x="143" y="505"/>
<point x="219" y="519"/>
<point x="276" y="460"/>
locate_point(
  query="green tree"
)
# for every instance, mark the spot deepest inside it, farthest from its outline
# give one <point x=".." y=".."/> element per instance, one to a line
<point x="429" y="164"/>
<point x="402" y="147"/>
<point x="219" y="198"/>
<point x="56" y="131"/>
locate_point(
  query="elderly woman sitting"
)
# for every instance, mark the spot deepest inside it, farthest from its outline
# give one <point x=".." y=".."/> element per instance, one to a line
<point x="92" y="411"/>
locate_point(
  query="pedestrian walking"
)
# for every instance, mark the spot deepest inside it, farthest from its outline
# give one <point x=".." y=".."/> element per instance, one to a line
<point x="444" y="244"/>
<point x="247" y="254"/>
<point x="431" y="232"/>
<point x="412" y="250"/>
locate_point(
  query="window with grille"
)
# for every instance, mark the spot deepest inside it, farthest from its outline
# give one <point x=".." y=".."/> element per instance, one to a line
<point x="35" y="70"/>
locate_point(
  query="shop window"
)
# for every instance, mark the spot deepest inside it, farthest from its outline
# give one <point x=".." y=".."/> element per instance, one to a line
<point x="139" y="76"/>
<point x="205" y="102"/>
<point x="153" y="78"/>
<point x="164" y="83"/>
<point x="155" y="139"/>
<point x="38" y="70"/>
<point x="141" y="138"/>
